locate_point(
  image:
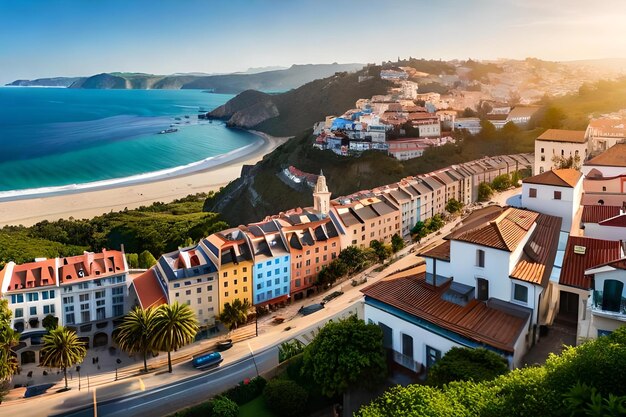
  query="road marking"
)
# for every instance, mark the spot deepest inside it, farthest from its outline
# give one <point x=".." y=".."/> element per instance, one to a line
<point x="95" y="404"/>
<point x="142" y="386"/>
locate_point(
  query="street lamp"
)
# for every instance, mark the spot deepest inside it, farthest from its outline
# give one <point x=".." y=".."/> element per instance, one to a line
<point x="78" y="371"/>
<point x="118" y="361"/>
<point x="253" y="360"/>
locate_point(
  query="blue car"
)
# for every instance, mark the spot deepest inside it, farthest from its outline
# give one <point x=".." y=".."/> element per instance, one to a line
<point x="207" y="360"/>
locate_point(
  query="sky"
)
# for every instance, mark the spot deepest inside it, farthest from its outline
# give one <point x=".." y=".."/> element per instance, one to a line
<point x="45" y="38"/>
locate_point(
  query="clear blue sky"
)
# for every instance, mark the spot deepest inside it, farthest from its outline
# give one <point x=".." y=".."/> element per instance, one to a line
<point x="40" y="38"/>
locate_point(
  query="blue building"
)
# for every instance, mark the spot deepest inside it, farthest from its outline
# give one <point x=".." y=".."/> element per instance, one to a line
<point x="272" y="264"/>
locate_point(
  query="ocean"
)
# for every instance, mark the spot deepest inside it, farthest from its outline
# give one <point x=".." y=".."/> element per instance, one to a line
<point x="52" y="137"/>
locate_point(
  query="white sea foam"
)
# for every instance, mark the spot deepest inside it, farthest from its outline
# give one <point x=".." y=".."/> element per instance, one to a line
<point x="202" y="165"/>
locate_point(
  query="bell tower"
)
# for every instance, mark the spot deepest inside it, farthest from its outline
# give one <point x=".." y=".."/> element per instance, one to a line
<point x="321" y="195"/>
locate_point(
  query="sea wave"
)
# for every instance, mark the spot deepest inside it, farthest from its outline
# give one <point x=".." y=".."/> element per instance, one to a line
<point x="204" y="164"/>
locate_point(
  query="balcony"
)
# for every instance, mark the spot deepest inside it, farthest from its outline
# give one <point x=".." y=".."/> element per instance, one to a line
<point x="612" y="309"/>
<point x="406" y="361"/>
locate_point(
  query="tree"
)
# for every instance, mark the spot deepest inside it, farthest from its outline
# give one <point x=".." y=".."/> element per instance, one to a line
<point x="453" y="206"/>
<point x="501" y="182"/>
<point x="50" y="322"/>
<point x="62" y="349"/>
<point x="435" y="223"/>
<point x="419" y="231"/>
<point x="397" y="243"/>
<point x="133" y="260"/>
<point x="354" y="258"/>
<point x="8" y="340"/>
<point x="175" y="326"/>
<point x="146" y="260"/>
<point x="484" y="192"/>
<point x="222" y="406"/>
<point x="331" y="272"/>
<point x="382" y="250"/>
<point x="134" y="334"/>
<point x="285" y="398"/>
<point x="345" y="354"/>
<point x="463" y="364"/>
<point x="235" y="313"/>
<point x="552" y="118"/>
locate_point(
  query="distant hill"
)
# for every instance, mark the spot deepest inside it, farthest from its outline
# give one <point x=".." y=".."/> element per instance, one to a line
<point x="271" y="81"/>
<point x="290" y="113"/>
<point x="47" y="82"/>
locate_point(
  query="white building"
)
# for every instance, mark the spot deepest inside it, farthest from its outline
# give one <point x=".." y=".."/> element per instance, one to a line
<point x="521" y="115"/>
<point x="557" y="144"/>
<point x="87" y="293"/>
<point x="481" y="288"/>
<point x="604" y="222"/>
<point x="471" y="124"/>
<point x="557" y="193"/>
<point x="605" y="132"/>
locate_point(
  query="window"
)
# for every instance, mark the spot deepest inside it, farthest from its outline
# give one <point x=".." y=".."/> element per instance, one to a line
<point x="209" y="287"/>
<point x="187" y="282"/>
<point x="277" y="281"/>
<point x="235" y="283"/>
<point x="84" y="297"/>
<point x="520" y="293"/>
<point x="541" y="170"/>
<point x="259" y="286"/>
<point x="557" y="195"/>
<point x="407" y="345"/>
<point x="285" y="269"/>
<point x="49" y="309"/>
<point x="17" y="298"/>
<point x="277" y="271"/>
<point x="226" y="294"/>
<point x="276" y="261"/>
<point x="198" y="290"/>
<point x="118" y="310"/>
<point x="542" y="151"/>
<point x="562" y="152"/>
<point x="68" y="300"/>
<point x="69" y="318"/>
<point x="210" y="299"/>
<point x="268" y="283"/>
<point x="298" y="282"/>
<point x="199" y="300"/>
<point x="225" y="284"/>
<point x="268" y="273"/>
<point x="286" y="258"/>
<point x="532" y="192"/>
<point x="100" y="294"/>
<point x="480" y="258"/>
<point x="245" y="269"/>
<point x="225" y="274"/>
<point x="19" y="312"/>
<point x="85" y="316"/>
<point x="32" y="296"/>
<point x="44" y="295"/>
<point x="188" y="292"/>
<point x="100" y="313"/>
<point x="543" y="158"/>
<point x="285" y="279"/>
<point x="268" y="263"/>
<point x="177" y="285"/>
<point x="603" y="188"/>
<point x="32" y="311"/>
<point x="259" y="275"/>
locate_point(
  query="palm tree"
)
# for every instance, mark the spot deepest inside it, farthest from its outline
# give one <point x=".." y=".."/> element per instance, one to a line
<point x="234" y="314"/>
<point x="134" y="334"/>
<point x="175" y="326"/>
<point x="62" y="349"/>
<point x="8" y="339"/>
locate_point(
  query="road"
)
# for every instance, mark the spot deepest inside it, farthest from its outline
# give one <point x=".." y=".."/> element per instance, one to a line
<point x="165" y="400"/>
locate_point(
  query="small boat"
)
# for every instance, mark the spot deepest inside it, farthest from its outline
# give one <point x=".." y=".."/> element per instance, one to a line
<point x="171" y="130"/>
<point x="177" y="118"/>
<point x="186" y="117"/>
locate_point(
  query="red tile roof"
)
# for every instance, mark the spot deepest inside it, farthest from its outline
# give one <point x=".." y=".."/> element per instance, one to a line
<point x="559" y="177"/>
<point x="596" y="214"/>
<point x="91" y="265"/>
<point x="31" y="275"/>
<point x="617" y="221"/>
<point x="441" y="252"/>
<point x="597" y="251"/>
<point x="505" y="232"/>
<point x="149" y="290"/>
<point x="615" y="156"/>
<point x="536" y="263"/>
<point x="561" y="135"/>
<point x="475" y="320"/>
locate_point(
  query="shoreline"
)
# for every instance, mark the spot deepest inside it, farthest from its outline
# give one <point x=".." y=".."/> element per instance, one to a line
<point x="27" y="207"/>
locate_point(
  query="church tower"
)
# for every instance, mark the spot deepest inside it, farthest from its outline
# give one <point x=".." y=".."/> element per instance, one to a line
<point x="321" y="195"/>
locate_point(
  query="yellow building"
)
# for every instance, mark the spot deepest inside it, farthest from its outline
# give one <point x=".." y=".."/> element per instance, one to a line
<point x="230" y="253"/>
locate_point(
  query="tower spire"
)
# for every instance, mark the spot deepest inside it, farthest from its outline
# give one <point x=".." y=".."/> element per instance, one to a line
<point x="321" y="195"/>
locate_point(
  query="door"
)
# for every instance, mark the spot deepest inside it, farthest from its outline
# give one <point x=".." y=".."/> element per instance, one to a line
<point x="612" y="295"/>
<point x="482" y="289"/>
<point x="432" y="356"/>
<point x="387" y="336"/>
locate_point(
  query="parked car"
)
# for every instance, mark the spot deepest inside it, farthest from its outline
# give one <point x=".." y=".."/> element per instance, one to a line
<point x="332" y="295"/>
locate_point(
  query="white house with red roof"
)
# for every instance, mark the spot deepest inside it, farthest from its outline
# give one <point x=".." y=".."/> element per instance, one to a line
<point x="555" y="144"/>
<point x="604" y="222"/>
<point x="88" y="293"/>
<point x="554" y="192"/>
<point x="605" y="177"/>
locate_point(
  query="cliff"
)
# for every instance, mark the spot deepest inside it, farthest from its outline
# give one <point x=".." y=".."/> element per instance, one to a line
<point x="47" y="82"/>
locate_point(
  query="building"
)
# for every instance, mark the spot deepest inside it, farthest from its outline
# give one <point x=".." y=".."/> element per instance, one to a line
<point x="272" y="263"/>
<point x="605" y="177"/>
<point x="87" y="293"/>
<point x="405" y="149"/>
<point x="230" y="253"/>
<point x="604" y="222"/>
<point x="471" y="124"/>
<point x="190" y="277"/>
<point x="366" y="219"/>
<point x="555" y="192"/>
<point x="606" y="307"/>
<point x="604" y="133"/>
<point x="581" y="254"/>
<point x="482" y="288"/>
<point x="555" y="145"/>
<point x="521" y="115"/>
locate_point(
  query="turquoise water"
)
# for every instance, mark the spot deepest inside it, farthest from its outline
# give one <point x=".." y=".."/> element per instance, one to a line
<point x="56" y="136"/>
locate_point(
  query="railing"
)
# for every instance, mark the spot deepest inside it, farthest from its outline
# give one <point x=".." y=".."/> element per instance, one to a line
<point x="597" y="306"/>
<point x="406" y="361"/>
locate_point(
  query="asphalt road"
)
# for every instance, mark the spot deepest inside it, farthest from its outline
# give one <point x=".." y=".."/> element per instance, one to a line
<point x="129" y="399"/>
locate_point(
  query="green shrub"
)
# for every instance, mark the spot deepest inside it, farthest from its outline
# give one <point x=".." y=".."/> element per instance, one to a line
<point x="462" y="364"/>
<point x="246" y="392"/>
<point x="146" y="260"/>
<point x="285" y="398"/>
<point x="288" y="350"/>
<point x="221" y="406"/>
<point x="133" y="260"/>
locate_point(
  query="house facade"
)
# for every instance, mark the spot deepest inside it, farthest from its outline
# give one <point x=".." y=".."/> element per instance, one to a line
<point x="605" y="177"/>
<point x="557" y="144"/>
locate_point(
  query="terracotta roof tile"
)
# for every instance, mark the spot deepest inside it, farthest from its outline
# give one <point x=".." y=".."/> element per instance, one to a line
<point x="505" y="232"/>
<point x="615" y="156"/>
<point x="617" y="221"/>
<point x="149" y="290"/>
<point x="596" y="214"/>
<point x="441" y="252"/>
<point x="558" y="177"/>
<point x="536" y="263"/>
<point x="561" y="135"/>
<point x="597" y="251"/>
<point x="475" y="320"/>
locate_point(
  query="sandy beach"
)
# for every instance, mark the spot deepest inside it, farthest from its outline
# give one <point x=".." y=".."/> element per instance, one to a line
<point x="143" y="190"/>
